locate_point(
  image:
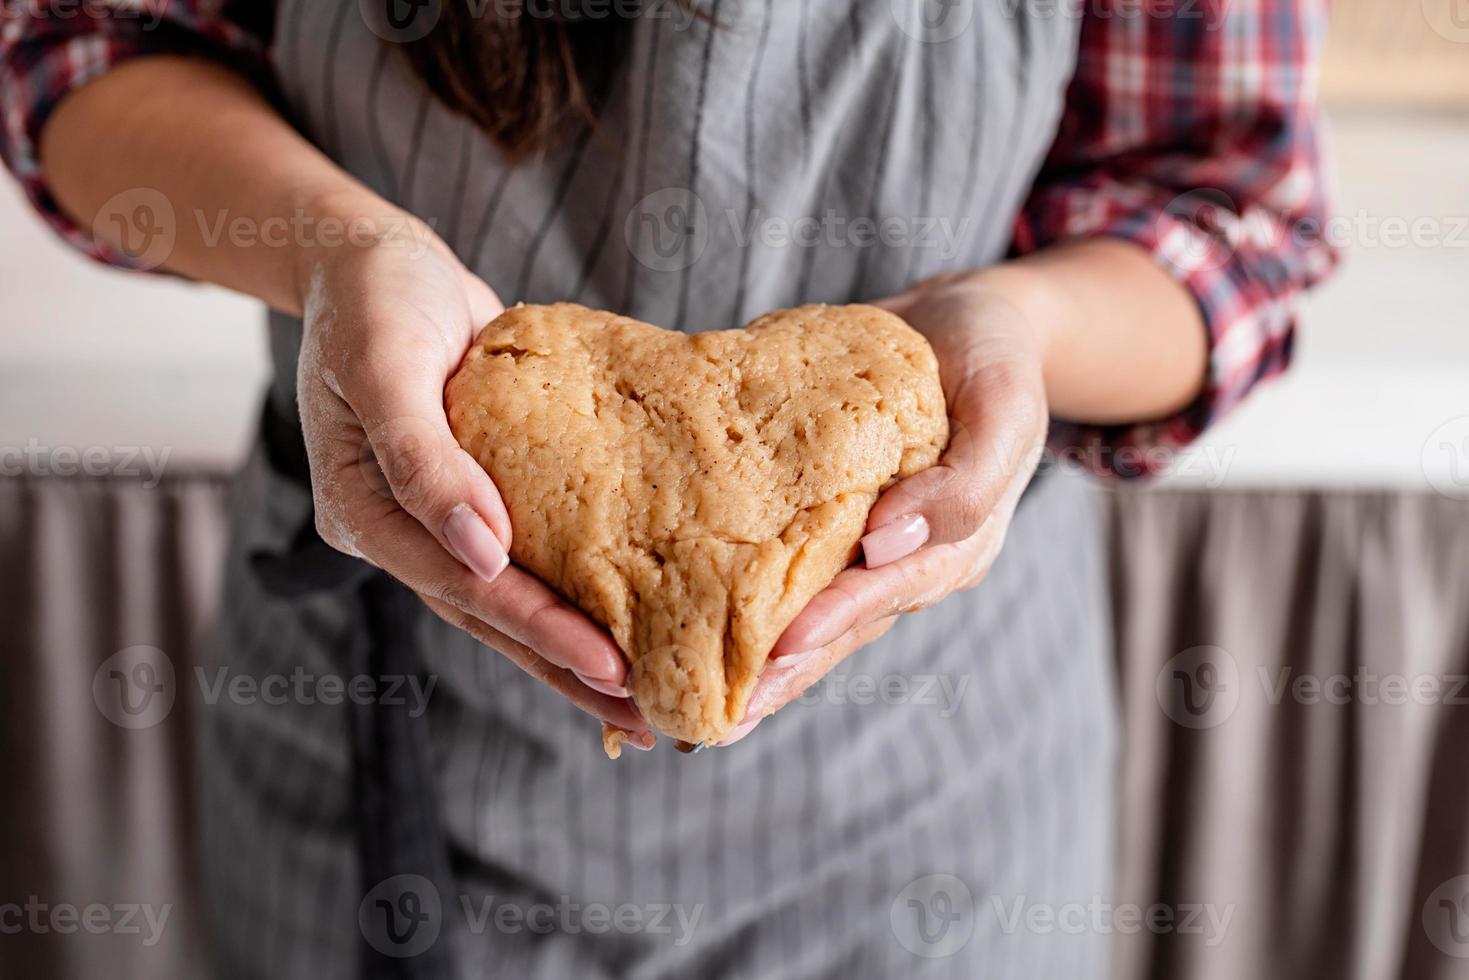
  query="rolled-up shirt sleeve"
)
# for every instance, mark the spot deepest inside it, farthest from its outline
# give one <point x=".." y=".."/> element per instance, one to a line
<point x="1194" y="135"/>
<point x="50" y="48"/>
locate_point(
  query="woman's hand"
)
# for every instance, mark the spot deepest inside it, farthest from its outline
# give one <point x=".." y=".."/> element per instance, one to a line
<point x="941" y="529"/>
<point x="385" y="326"/>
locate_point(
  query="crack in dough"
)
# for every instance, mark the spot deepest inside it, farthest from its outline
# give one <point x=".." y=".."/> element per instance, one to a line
<point x="691" y="493"/>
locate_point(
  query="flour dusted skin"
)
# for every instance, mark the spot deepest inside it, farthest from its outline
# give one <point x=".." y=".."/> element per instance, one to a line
<point x="692" y="492"/>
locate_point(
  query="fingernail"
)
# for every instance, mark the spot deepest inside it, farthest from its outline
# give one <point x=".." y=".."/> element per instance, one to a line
<point x="606" y="687"/>
<point x="643" y="742"/>
<point x="474" y="543"/>
<point x="893" y="541"/>
<point x="743" y="729"/>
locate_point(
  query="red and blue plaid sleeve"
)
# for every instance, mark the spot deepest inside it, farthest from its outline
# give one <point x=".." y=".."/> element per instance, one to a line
<point x="49" y="48"/>
<point x="1193" y="133"/>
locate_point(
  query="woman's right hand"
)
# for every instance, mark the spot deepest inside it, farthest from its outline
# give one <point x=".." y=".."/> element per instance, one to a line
<point x="385" y="325"/>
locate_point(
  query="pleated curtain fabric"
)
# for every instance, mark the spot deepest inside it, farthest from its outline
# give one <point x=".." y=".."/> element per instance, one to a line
<point x="104" y="579"/>
<point x="1333" y="835"/>
<point x="1321" y="798"/>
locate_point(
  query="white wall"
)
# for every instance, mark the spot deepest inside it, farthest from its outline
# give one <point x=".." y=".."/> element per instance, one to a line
<point x="90" y="356"/>
<point x="1383" y="354"/>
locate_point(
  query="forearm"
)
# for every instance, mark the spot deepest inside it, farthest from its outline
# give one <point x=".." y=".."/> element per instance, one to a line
<point x="1121" y="340"/>
<point x="252" y="202"/>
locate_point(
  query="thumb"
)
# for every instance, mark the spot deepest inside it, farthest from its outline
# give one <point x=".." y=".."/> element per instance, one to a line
<point x="430" y="476"/>
<point x="484" y="304"/>
<point x="996" y="432"/>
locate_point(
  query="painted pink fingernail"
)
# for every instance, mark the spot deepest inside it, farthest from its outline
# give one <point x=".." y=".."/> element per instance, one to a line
<point x="474" y="543"/>
<point x="643" y="742"/>
<point x="740" y="732"/>
<point x="606" y="687"/>
<point x="893" y="541"/>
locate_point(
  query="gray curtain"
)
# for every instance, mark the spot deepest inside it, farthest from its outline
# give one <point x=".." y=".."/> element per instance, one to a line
<point x="96" y="813"/>
<point x="1289" y="827"/>
<point x="1323" y="792"/>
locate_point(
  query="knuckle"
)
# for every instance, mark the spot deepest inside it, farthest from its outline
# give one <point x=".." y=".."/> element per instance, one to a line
<point x="456" y="593"/>
<point x="941" y="481"/>
<point x="333" y="529"/>
<point x="474" y="596"/>
<point x="911" y="585"/>
<point x="411" y="461"/>
<point x="973" y="577"/>
<point x="916" y="592"/>
<point x="970" y="508"/>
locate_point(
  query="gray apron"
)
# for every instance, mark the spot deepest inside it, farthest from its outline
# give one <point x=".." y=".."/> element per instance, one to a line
<point x="912" y="814"/>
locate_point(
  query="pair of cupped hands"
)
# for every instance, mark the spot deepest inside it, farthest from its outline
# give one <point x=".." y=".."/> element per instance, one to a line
<point x="386" y="326"/>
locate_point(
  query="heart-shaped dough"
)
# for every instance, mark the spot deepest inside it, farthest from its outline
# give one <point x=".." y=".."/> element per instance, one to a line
<point x="692" y="492"/>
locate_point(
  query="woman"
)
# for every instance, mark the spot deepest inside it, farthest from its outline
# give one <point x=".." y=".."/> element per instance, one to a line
<point x="1026" y="184"/>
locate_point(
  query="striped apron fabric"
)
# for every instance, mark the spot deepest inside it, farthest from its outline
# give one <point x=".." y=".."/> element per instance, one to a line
<point x="925" y="810"/>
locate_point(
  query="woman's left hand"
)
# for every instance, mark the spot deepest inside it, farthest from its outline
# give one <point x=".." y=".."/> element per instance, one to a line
<point x="939" y="530"/>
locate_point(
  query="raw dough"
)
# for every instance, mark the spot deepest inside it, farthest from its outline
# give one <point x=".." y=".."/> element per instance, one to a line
<point x="692" y="492"/>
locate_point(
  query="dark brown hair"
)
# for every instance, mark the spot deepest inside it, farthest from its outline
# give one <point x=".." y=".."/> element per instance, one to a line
<point x="522" y="69"/>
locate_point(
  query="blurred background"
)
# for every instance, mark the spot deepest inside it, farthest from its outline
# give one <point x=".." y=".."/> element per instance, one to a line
<point x="1291" y="601"/>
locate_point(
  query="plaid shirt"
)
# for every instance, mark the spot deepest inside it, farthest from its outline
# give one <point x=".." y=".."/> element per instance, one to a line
<point x="1190" y="128"/>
